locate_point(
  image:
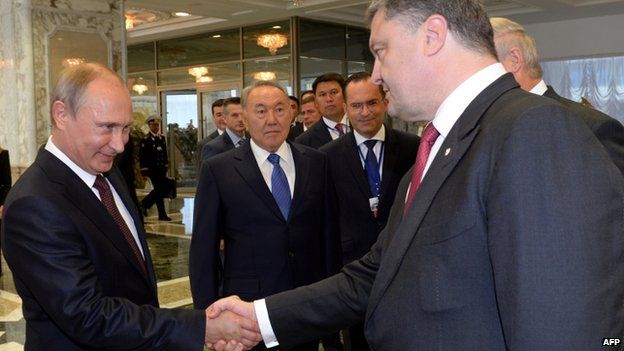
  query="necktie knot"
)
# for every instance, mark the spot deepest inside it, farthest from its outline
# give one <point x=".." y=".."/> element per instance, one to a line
<point x="430" y="134"/>
<point x="274" y="159"/>
<point x="370" y="144"/>
<point x="100" y="184"/>
<point x="341" y="128"/>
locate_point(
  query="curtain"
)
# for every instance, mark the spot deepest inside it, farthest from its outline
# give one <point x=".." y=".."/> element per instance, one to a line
<point x="599" y="80"/>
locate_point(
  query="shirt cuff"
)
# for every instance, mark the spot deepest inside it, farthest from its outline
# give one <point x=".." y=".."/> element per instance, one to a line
<point x="262" y="315"/>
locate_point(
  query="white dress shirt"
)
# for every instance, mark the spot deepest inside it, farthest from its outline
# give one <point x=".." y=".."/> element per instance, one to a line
<point x="266" y="168"/>
<point x="89" y="180"/>
<point x="539" y="88"/>
<point x="381" y="138"/>
<point x="331" y="126"/>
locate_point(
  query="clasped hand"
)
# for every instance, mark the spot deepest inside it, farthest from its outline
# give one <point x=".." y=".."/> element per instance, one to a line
<point x="231" y="325"/>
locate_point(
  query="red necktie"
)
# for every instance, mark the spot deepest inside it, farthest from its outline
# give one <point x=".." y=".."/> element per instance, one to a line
<point x="107" y="199"/>
<point x="429" y="136"/>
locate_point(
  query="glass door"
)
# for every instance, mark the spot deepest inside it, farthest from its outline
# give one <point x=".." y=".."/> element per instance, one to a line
<point x="179" y="110"/>
<point x="207" y="98"/>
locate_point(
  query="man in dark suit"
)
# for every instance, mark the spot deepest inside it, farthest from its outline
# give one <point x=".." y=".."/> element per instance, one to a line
<point x="154" y="163"/>
<point x="74" y="240"/>
<point x="274" y="241"/>
<point x="365" y="181"/>
<point x="328" y="90"/>
<point x="518" y="53"/>
<point x="219" y="122"/>
<point x="234" y="135"/>
<point x="296" y="127"/>
<point x="507" y="234"/>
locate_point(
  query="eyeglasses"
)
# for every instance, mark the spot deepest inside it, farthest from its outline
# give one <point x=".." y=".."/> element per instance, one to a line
<point x="370" y="105"/>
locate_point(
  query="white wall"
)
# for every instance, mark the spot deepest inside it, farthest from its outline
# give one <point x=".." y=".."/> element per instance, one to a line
<point x="595" y="36"/>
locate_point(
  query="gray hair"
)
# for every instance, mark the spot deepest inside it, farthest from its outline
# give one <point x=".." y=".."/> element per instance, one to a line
<point x="258" y="84"/>
<point x="72" y="84"/>
<point x="509" y="34"/>
<point x="467" y="19"/>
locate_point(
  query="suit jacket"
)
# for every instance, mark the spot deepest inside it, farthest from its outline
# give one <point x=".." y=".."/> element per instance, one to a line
<point x="608" y="130"/>
<point x="5" y="175"/>
<point x="351" y="193"/>
<point x="316" y="136"/>
<point x="295" y="131"/>
<point x="264" y="253"/>
<point x="80" y="283"/>
<point x="201" y="143"/>
<point x="514" y="241"/>
<point x="216" y="146"/>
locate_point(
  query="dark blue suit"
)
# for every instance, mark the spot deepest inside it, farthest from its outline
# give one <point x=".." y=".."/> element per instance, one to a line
<point x="316" y="136"/>
<point x="221" y="143"/>
<point x="81" y="285"/>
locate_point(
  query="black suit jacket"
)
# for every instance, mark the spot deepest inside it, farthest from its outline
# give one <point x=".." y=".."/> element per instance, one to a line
<point x="316" y="136"/>
<point x="264" y="253"/>
<point x="5" y="175"/>
<point x="80" y="283"/>
<point x="514" y="241"/>
<point x="608" y="130"/>
<point x="216" y="146"/>
<point x="204" y="141"/>
<point x="295" y="131"/>
<point x="351" y="193"/>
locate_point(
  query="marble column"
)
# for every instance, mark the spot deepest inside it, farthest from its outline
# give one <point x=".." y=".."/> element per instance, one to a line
<point x="17" y="100"/>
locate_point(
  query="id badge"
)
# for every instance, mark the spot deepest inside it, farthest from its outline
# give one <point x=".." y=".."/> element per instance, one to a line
<point x="374" y="205"/>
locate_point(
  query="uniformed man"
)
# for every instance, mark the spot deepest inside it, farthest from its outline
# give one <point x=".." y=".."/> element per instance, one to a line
<point x="153" y="158"/>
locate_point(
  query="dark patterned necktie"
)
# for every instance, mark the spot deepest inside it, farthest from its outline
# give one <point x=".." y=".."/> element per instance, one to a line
<point x="371" y="166"/>
<point x="107" y="199"/>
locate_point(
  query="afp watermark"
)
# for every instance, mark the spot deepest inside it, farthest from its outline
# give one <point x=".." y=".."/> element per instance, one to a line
<point x="611" y="341"/>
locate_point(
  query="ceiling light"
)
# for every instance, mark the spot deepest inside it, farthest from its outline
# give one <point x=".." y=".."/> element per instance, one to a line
<point x="264" y="76"/>
<point x="204" y="79"/>
<point x="139" y="88"/>
<point x="181" y="14"/>
<point x="272" y="42"/>
<point x="72" y="61"/>
<point x="277" y="27"/>
<point x="198" y="71"/>
<point x="217" y="36"/>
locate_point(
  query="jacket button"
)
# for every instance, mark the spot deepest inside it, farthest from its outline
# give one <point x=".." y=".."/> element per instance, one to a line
<point x="291" y="254"/>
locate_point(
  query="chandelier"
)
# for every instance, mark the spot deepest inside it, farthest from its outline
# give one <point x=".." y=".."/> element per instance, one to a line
<point x="272" y="42"/>
<point x="72" y="61"/>
<point x="203" y="79"/>
<point x="198" y="71"/>
<point x="264" y="76"/>
<point x="139" y="88"/>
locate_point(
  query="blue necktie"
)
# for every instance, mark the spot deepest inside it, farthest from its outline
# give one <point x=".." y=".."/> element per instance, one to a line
<point x="279" y="186"/>
<point x="372" y="168"/>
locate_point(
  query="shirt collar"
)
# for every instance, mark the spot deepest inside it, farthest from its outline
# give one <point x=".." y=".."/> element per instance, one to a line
<point x="456" y="103"/>
<point x="539" y="88"/>
<point x="87" y="178"/>
<point x="332" y="124"/>
<point x="235" y="138"/>
<point x="262" y="155"/>
<point x="381" y="136"/>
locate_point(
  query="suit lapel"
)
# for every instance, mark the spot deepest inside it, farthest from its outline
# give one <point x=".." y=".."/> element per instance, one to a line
<point x="85" y="201"/>
<point x="302" y="173"/>
<point x="351" y="155"/>
<point x="458" y="141"/>
<point x="322" y="132"/>
<point x="247" y="167"/>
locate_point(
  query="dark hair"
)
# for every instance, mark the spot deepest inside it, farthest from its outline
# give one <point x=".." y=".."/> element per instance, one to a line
<point x="329" y="77"/>
<point x="360" y="77"/>
<point x="303" y="93"/>
<point x="231" y="101"/>
<point x="294" y="98"/>
<point x="467" y="19"/>
<point x="216" y="103"/>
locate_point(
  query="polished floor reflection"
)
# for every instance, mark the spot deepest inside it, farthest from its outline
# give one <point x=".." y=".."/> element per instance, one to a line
<point x="169" y="244"/>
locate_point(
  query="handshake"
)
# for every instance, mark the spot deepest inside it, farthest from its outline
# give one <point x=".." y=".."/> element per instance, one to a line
<point x="231" y="325"/>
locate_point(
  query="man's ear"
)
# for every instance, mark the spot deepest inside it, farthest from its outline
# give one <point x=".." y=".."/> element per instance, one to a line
<point x="436" y="29"/>
<point x="60" y="114"/>
<point x="514" y="60"/>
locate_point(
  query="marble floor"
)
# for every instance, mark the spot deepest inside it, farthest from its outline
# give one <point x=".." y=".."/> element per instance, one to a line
<point x="169" y="244"/>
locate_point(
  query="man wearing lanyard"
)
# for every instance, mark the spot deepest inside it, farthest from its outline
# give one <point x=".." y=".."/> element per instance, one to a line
<point x="366" y="167"/>
<point x="328" y="89"/>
